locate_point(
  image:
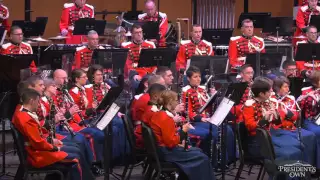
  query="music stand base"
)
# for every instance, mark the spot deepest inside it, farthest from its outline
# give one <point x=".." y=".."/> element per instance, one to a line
<point x="5" y="175"/>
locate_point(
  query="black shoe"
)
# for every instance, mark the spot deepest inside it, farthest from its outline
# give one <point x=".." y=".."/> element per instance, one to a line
<point x="97" y="171"/>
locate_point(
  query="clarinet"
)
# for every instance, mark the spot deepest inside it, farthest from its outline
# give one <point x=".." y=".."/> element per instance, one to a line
<point x="50" y="125"/>
<point x="186" y="142"/>
<point x="63" y="123"/>
<point x="70" y="99"/>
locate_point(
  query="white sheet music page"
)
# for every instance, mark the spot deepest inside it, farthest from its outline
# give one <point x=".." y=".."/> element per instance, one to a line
<point x="108" y="116"/>
<point x="222" y="111"/>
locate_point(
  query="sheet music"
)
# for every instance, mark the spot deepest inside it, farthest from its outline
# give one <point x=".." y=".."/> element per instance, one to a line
<point x="108" y="116"/>
<point x="222" y="111"/>
<point x="3" y="37"/>
<point x="318" y="121"/>
<point x="187" y="66"/>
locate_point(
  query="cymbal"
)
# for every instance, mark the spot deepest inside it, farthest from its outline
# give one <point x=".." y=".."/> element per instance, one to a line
<point x="38" y="39"/>
<point x="59" y="38"/>
<point x="300" y="37"/>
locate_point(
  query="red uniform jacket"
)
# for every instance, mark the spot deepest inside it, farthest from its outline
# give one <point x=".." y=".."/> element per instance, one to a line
<point x="163" y="27"/>
<point x="164" y="129"/>
<point x="83" y="57"/>
<point x="23" y="48"/>
<point x="139" y="105"/>
<point x="134" y="56"/>
<point x="72" y="13"/>
<point x="39" y="150"/>
<point x="310" y="98"/>
<point x="289" y="103"/>
<point x="303" y="18"/>
<point x="240" y="46"/>
<point x="4" y="16"/>
<point x="253" y="112"/>
<point x="188" y="48"/>
<point x="60" y="102"/>
<point x="98" y="90"/>
<point x="197" y="97"/>
<point x="302" y="65"/>
<point x="80" y="98"/>
<point x="150" y="110"/>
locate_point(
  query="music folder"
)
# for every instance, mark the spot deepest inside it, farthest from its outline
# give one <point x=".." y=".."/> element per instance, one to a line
<point x="208" y="103"/>
<point x="308" y="52"/>
<point x="217" y="36"/>
<point x="157" y="57"/>
<point x="258" y="18"/>
<point x="84" y="25"/>
<point x="281" y="24"/>
<point x="112" y="58"/>
<point x="222" y="111"/>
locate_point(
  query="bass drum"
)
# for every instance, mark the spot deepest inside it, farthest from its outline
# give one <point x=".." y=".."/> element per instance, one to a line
<point x="171" y="35"/>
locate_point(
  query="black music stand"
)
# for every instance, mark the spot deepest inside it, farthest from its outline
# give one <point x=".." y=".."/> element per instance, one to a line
<point x="84" y="25"/>
<point x="151" y="30"/>
<point x="108" y="130"/>
<point x="9" y="78"/>
<point x="268" y="61"/>
<point x="107" y="100"/>
<point x="59" y="59"/>
<point x="114" y="59"/>
<point x="258" y="18"/>
<point x="30" y="28"/>
<point x="157" y="57"/>
<point x="132" y="15"/>
<point x="215" y="64"/>
<point x="314" y="21"/>
<point x="308" y="52"/>
<point x="296" y="84"/>
<point x="217" y="36"/>
<point x="281" y="26"/>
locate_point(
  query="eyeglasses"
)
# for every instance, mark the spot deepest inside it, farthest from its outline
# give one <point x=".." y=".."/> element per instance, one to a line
<point x="84" y="77"/>
<point x="139" y="32"/>
<point x="19" y="34"/>
<point x="291" y="70"/>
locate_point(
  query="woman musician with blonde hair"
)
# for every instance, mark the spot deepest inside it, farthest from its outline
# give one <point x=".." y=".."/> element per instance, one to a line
<point x="289" y="113"/>
<point x="194" y="164"/>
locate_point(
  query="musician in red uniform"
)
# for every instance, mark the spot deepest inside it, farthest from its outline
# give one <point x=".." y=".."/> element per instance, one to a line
<point x="70" y="14"/>
<point x="154" y="93"/>
<point x="4" y="16"/>
<point x="166" y="74"/>
<point x="152" y="15"/>
<point x="63" y="102"/>
<point x="304" y="15"/>
<point x="289" y="113"/>
<point x="302" y="2"/>
<point x="83" y="56"/>
<point x="131" y="69"/>
<point x="240" y="46"/>
<point x="194" y="97"/>
<point x="246" y="75"/>
<point x="260" y="112"/>
<point x="95" y="92"/>
<point x="195" y="46"/>
<point x="194" y="164"/>
<point x="305" y="68"/>
<point x="289" y="69"/>
<point x="17" y="46"/>
<point x="140" y="101"/>
<point x="40" y="152"/>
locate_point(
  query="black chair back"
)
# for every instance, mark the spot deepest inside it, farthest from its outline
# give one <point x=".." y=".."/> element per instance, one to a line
<point x="241" y="135"/>
<point x="150" y="145"/>
<point x="266" y="146"/>
<point x="19" y="141"/>
<point x="129" y="132"/>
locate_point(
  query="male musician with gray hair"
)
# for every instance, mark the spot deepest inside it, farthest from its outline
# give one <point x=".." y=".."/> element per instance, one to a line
<point x="70" y="14"/>
<point x="240" y="46"/>
<point x="17" y="46"/>
<point x="152" y="15"/>
<point x="304" y="15"/>
<point x="195" y="46"/>
<point x="83" y="56"/>
<point x="305" y="68"/>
